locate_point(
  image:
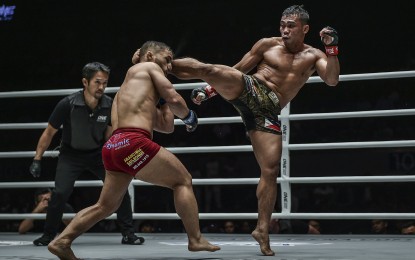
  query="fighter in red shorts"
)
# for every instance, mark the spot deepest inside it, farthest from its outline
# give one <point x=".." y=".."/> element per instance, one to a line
<point x="129" y="150"/>
<point x="146" y="101"/>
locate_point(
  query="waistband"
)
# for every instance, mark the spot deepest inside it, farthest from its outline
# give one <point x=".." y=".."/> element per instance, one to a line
<point x="258" y="81"/>
<point x="129" y="130"/>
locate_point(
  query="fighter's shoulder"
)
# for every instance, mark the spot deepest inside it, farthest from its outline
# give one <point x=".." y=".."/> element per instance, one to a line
<point x="141" y="69"/>
<point x="270" y="42"/>
<point x="315" y="51"/>
<point x="144" y="67"/>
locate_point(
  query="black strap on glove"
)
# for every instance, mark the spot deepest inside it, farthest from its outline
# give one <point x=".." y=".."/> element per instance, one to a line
<point x="35" y="168"/>
<point x="190" y="121"/>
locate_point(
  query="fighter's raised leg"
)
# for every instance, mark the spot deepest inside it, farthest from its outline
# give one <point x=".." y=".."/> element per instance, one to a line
<point x="227" y="81"/>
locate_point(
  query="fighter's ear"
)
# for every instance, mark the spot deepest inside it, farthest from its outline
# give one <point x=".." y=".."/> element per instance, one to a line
<point x="306" y="28"/>
<point x="149" y="56"/>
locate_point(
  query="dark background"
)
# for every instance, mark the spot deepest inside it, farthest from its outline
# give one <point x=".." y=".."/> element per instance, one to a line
<point x="47" y="43"/>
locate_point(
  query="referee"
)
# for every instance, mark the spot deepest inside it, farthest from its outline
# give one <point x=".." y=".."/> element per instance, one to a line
<point x="85" y="117"/>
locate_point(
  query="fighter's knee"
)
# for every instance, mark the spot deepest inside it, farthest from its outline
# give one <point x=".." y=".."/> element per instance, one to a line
<point x="270" y="173"/>
<point x="187" y="181"/>
<point x="183" y="181"/>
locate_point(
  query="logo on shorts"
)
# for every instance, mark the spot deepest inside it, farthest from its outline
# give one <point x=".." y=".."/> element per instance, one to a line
<point x="120" y="144"/>
<point x="274" y="98"/>
<point x="135" y="156"/>
<point x="268" y="124"/>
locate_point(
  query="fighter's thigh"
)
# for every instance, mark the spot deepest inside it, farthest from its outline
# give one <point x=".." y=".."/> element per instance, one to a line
<point x="267" y="148"/>
<point x="114" y="189"/>
<point x="165" y="169"/>
<point x="227" y="81"/>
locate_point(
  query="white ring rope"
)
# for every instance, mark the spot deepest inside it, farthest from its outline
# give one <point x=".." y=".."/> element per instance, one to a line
<point x="285" y="179"/>
<point x="187" y="86"/>
<point x="246" y="148"/>
<point x="231" y="181"/>
<point x="237" y="119"/>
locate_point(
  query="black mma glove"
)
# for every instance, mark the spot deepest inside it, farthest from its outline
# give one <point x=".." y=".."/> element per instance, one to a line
<point x="201" y="94"/>
<point x="190" y="121"/>
<point x="198" y="95"/>
<point x="35" y="168"/>
<point x="331" y="47"/>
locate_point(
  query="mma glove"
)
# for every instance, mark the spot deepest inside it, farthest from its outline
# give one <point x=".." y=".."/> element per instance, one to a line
<point x="201" y="94"/>
<point x="35" y="168"/>
<point x="331" y="48"/>
<point x="190" y="121"/>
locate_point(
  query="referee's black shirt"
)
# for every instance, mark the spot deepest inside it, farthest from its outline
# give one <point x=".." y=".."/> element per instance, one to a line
<point x="83" y="128"/>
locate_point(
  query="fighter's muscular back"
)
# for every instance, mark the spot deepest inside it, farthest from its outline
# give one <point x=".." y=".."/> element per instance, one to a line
<point x="285" y="70"/>
<point x="134" y="105"/>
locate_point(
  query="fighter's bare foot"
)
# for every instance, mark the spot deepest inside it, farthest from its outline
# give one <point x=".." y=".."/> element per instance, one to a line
<point x="62" y="249"/>
<point x="202" y="245"/>
<point x="263" y="241"/>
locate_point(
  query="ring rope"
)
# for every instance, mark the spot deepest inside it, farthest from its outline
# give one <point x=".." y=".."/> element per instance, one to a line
<point x="247" y="148"/>
<point x="238" y="119"/>
<point x="187" y="86"/>
<point x="231" y="181"/>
